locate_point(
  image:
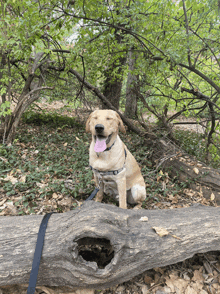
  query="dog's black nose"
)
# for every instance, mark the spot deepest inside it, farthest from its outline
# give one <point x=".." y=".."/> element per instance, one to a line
<point x="99" y="128"/>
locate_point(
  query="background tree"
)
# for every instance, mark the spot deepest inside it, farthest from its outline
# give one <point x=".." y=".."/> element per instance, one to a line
<point x="132" y="87"/>
<point x="176" y="45"/>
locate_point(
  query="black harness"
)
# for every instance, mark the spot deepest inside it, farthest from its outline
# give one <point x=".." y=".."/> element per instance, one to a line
<point x="111" y="172"/>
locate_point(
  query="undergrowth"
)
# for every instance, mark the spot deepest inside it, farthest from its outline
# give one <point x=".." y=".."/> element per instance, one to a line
<point x="195" y="144"/>
<point x="50" y="148"/>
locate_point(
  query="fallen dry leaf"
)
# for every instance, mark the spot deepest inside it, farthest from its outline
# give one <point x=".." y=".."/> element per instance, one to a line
<point x="3" y="159"/>
<point x="85" y="291"/>
<point x="22" y="179"/>
<point x="143" y="219"/>
<point x="40" y="185"/>
<point x="212" y="197"/>
<point x="196" y="171"/>
<point x="12" y="179"/>
<point x="45" y="289"/>
<point x="3" y="201"/>
<point x="176" y="284"/>
<point x="55" y="196"/>
<point x="198" y="276"/>
<point x="144" y="289"/>
<point x="190" y="290"/>
<point x="161" y="231"/>
<point x="3" y="207"/>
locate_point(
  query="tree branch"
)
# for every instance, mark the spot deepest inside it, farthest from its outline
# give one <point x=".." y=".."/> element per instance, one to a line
<point x="199" y="73"/>
<point x="105" y="100"/>
<point x="187" y="32"/>
<point x="199" y="95"/>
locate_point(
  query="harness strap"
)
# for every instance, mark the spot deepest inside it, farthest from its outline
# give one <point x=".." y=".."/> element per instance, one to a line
<point x="107" y="173"/>
<point x="109" y="148"/>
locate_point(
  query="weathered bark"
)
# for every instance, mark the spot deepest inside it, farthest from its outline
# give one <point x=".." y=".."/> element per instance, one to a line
<point x="185" y="168"/>
<point x="112" y="88"/>
<point x="30" y="93"/>
<point x="131" y="87"/>
<point x="99" y="245"/>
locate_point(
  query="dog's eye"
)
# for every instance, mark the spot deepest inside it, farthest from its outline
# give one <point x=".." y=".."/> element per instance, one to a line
<point x="108" y="118"/>
<point x="95" y="117"/>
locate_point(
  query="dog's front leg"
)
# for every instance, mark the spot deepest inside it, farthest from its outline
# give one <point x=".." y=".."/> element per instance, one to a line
<point x="100" y="193"/>
<point x="121" y="185"/>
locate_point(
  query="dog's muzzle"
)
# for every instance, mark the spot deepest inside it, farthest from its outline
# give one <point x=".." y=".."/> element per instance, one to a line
<point x="108" y="139"/>
<point x="99" y="128"/>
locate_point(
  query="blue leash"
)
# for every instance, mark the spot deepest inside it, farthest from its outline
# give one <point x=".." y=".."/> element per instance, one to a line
<point x="39" y="248"/>
<point x="38" y="253"/>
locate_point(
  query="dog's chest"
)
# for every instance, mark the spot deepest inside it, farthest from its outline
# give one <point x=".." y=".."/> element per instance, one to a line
<point x="110" y="185"/>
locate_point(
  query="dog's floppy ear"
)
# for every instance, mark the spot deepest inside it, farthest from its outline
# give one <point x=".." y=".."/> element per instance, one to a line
<point x="121" y="125"/>
<point x="88" y="123"/>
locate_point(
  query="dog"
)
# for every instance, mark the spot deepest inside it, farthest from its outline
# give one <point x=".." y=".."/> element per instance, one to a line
<point x="115" y="169"/>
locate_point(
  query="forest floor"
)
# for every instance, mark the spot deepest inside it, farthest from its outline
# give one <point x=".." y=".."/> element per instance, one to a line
<point x="43" y="157"/>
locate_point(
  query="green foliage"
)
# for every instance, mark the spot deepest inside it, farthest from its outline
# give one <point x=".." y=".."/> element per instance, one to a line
<point x="47" y="159"/>
<point x="95" y="35"/>
<point x="195" y="144"/>
<point x="153" y="28"/>
<point x="5" y="108"/>
<point x="48" y="118"/>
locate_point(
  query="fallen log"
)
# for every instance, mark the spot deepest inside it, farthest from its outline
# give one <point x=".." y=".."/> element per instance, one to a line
<point x="99" y="245"/>
<point x="187" y="169"/>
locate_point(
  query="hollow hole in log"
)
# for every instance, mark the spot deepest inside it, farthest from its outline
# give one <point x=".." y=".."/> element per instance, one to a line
<point x="97" y="250"/>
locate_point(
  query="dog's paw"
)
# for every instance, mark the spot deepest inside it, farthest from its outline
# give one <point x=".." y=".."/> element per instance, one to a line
<point x="117" y="197"/>
<point x="138" y="206"/>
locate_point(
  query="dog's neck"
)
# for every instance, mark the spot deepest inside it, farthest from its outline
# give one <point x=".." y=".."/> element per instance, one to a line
<point x="109" y="148"/>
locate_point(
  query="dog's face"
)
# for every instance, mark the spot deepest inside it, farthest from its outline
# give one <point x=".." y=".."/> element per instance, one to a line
<point x="104" y="125"/>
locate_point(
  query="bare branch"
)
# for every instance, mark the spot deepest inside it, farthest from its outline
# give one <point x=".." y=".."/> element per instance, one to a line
<point x="187" y="32"/>
<point x="199" y="73"/>
<point x="105" y="100"/>
<point x="199" y="95"/>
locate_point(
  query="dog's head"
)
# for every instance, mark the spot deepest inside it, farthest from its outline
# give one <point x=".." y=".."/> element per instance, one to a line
<point x="104" y="126"/>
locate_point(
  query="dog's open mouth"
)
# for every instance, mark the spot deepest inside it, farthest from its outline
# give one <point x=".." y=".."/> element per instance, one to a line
<point x="101" y="142"/>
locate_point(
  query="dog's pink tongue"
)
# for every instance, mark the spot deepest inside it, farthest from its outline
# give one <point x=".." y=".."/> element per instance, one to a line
<point x="100" y="145"/>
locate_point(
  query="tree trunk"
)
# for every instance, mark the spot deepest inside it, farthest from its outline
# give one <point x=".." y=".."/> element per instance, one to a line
<point x="99" y="245"/>
<point x="114" y="78"/>
<point x="131" y="88"/>
<point x="112" y="89"/>
<point x="30" y="93"/>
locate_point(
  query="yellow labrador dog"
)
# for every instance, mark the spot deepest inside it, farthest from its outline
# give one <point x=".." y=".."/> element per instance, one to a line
<point x="115" y="169"/>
